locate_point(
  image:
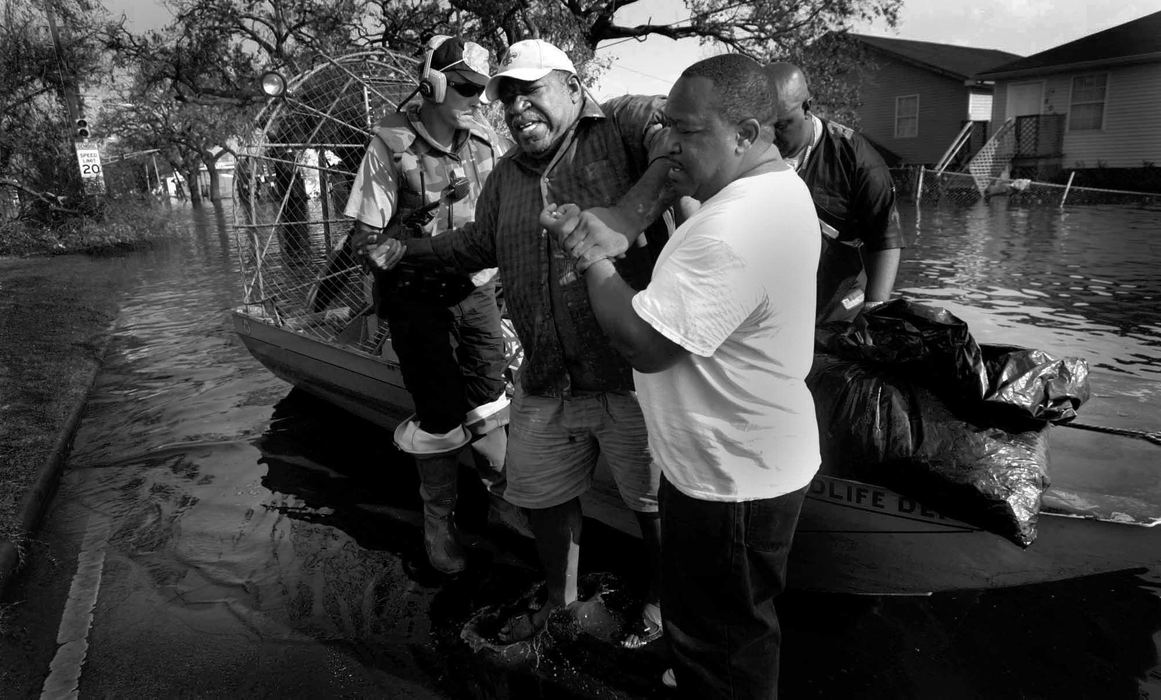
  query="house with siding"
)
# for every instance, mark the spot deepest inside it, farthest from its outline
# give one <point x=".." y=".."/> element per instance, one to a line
<point x="917" y="96"/>
<point x="1088" y="105"/>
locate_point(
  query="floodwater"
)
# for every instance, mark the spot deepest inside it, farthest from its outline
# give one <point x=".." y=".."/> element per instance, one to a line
<point x="216" y="534"/>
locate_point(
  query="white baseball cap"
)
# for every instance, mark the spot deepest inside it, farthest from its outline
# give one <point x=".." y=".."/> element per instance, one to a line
<point x="529" y="60"/>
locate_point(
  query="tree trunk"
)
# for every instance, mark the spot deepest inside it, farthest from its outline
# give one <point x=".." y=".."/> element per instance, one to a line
<point x="215" y="184"/>
<point x="195" y="187"/>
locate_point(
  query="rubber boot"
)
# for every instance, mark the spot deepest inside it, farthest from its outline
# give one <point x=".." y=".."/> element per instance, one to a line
<point x="437" y="488"/>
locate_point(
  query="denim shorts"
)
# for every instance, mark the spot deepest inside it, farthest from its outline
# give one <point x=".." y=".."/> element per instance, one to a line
<point x="554" y="444"/>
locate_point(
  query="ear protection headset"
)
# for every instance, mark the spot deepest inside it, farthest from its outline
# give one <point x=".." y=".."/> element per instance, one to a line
<point x="433" y="83"/>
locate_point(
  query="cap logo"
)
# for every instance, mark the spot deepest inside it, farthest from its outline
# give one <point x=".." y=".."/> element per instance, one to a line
<point x="511" y="57"/>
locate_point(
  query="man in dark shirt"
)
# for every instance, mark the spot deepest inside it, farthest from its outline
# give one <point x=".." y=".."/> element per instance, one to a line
<point x="574" y="398"/>
<point x="853" y="193"/>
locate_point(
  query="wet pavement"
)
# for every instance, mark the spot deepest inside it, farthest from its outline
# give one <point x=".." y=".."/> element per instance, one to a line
<point x="216" y="534"/>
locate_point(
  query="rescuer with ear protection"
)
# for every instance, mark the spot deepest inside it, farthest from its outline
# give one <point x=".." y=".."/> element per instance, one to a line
<point x="451" y="62"/>
<point x="420" y="177"/>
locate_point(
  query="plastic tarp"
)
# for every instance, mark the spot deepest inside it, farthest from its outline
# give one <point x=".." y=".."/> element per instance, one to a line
<point x="906" y="398"/>
<point x="1033" y="384"/>
<point x="885" y="429"/>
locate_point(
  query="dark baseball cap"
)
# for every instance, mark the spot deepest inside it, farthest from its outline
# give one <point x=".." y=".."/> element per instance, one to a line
<point x="465" y="58"/>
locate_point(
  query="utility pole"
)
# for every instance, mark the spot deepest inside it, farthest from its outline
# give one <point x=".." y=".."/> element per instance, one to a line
<point x="69" y="91"/>
<point x="157" y="173"/>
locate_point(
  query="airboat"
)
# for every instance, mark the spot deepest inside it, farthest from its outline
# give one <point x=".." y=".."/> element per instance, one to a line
<point x="306" y="315"/>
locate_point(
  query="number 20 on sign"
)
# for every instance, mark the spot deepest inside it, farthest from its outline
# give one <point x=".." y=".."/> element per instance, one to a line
<point x="89" y="161"/>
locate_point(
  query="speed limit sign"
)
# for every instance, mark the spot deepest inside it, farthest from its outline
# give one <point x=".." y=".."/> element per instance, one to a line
<point x="89" y="160"/>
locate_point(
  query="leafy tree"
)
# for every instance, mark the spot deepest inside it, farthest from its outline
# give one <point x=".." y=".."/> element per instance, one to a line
<point x="223" y="45"/>
<point x="200" y="75"/>
<point x="208" y="61"/>
<point x="186" y="135"/>
<point x="39" y="88"/>
<point x="214" y="51"/>
<point x="766" y="30"/>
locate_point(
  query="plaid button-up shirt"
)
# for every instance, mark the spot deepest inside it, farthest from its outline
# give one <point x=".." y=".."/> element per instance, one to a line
<point x="565" y="350"/>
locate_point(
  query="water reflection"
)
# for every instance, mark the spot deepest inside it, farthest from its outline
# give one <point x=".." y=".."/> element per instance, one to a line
<point x="1079" y="281"/>
<point x="1086" y="638"/>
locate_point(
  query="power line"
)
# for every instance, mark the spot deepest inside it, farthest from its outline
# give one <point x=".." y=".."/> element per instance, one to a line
<point x="647" y="75"/>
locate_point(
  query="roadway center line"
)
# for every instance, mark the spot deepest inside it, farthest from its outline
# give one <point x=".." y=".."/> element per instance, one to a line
<point x="72" y="636"/>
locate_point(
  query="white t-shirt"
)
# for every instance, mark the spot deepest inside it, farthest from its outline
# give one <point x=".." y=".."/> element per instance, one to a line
<point x="735" y="286"/>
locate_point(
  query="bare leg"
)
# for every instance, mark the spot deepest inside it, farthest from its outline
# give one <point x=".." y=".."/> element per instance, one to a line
<point x="557" y="531"/>
<point x="650" y="524"/>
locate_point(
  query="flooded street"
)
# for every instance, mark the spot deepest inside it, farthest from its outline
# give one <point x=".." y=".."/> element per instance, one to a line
<point x="216" y="534"/>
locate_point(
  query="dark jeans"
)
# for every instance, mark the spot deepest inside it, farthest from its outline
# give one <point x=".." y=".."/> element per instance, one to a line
<point x="722" y="565"/>
<point x="452" y="357"/>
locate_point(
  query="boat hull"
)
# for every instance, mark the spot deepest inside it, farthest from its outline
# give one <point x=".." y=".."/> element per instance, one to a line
<point x="852" y="537"/>
<point x="367" y="386"/>
<point x="862" y="538"/>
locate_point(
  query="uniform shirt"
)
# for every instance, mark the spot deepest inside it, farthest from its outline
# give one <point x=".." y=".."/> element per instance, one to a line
<point x="854" y="196"/>
<point x="734" y="420"/>
<point x="565" y="350"/>
<point x="405" y="167"/>
<point x="852" y="188"/>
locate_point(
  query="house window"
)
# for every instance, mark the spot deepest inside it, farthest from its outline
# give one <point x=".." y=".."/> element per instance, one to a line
<point x="1086" y="109"/>
<point x="907" y="117"/>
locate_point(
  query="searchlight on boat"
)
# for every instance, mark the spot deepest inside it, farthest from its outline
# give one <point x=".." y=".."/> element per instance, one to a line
<point x="273" y="84"/>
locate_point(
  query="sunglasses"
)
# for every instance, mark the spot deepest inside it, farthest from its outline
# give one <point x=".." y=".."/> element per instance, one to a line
<point x="466" y="89"/>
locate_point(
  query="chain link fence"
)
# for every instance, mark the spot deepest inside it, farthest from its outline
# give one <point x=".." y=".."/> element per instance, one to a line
<point x="926" y="187"/>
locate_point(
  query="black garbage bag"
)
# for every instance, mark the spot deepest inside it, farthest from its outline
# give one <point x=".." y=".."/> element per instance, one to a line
<point x="935" y="347"/>
<point x="1033" y="384"/>
<point x="879" y="426"/>
<point x="929" y="343"/>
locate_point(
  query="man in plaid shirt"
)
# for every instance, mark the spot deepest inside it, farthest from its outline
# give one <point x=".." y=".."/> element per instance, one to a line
<point x="574" y="398"/>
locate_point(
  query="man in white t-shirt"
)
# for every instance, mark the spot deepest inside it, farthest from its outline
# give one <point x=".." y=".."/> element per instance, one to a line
<point x="721" y="342"/>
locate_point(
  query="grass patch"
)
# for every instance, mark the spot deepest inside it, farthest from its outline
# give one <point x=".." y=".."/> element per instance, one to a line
<point x="122" y="225"/>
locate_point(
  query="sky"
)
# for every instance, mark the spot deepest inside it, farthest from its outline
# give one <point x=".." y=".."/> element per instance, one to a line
<point x="1022" y="27"/>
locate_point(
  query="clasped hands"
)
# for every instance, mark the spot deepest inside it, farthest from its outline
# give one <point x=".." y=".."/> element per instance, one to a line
<point x="588" y="236"/>
<point x="382" y="249"/>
